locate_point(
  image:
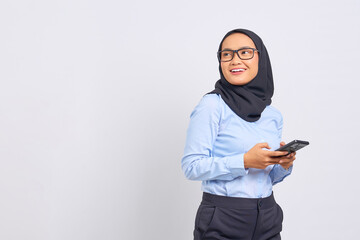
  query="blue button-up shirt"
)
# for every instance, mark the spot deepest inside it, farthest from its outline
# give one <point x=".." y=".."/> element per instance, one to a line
<point x="216" y="142"/>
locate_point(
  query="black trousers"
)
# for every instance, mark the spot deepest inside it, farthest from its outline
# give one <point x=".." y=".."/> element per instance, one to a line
<point x="225" y="218"/>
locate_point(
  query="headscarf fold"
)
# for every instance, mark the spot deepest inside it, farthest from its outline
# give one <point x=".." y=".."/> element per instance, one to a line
<point x="248" y="101"/>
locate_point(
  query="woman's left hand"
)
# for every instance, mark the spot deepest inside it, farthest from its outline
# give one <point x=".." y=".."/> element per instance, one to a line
<point x="287" y="161"/>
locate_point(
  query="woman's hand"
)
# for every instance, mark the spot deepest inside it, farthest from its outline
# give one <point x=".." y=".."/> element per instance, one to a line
<point x="256" y="157"/>
<point x="287" y="161"/>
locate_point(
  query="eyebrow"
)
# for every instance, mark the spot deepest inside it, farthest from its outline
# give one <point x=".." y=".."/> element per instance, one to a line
<point x="236" y="49"/>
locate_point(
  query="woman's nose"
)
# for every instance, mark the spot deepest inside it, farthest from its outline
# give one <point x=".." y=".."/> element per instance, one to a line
<point x="236" y="60"/>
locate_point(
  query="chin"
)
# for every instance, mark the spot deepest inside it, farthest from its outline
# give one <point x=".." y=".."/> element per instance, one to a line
<point x="238" y="82"/>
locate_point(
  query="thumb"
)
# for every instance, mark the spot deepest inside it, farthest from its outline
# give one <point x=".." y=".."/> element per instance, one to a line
<point x="264" y="145"/>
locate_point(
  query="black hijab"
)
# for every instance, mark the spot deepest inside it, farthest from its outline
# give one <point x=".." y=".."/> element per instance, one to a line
<point x="249" y="100"/>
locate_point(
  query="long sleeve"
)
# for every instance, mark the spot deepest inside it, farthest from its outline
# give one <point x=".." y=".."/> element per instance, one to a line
<point x="278" y="173"/>
<point x="199" y="162"/>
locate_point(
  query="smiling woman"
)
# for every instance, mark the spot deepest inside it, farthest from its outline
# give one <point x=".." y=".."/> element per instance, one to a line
<point x="227" y="147"/>
<point x="239" y="70"/>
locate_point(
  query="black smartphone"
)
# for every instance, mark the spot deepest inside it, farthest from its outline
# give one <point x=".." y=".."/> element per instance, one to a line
<point x="293" y="146"/>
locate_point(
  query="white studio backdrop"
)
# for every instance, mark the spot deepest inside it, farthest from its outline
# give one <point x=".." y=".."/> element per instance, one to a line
<point x="95" y="100"/>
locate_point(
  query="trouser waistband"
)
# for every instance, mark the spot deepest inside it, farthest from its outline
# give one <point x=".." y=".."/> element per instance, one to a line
<point x="238" y="202"/>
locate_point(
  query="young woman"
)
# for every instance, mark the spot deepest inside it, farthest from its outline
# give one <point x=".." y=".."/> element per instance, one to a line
<point x="229" y="146"/>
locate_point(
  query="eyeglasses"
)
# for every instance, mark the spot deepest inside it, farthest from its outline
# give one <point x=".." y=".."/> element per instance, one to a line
<point x="243" y="53"/>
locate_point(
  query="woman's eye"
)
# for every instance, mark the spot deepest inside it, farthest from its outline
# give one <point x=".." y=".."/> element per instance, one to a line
<point x="225" y="54"/>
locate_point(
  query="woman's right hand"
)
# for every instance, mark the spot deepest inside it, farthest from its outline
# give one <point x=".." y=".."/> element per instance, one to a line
<point x="259" y="158"/>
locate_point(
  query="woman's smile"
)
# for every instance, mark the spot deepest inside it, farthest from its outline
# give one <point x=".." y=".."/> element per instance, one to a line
<point x="237" y="71"/>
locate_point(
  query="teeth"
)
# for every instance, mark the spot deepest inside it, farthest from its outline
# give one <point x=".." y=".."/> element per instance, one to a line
<point x="238" y="70"/>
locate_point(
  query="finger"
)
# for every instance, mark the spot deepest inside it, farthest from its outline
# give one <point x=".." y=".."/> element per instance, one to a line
<point x="282" y="144"/>
<point x="286" y="160"/>
<point x="264" y="145"/>
<point x="271" y="161"/>
<point x="278" y="153"/>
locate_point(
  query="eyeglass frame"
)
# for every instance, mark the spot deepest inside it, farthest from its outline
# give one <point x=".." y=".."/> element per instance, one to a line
<point x="237" y="53"/>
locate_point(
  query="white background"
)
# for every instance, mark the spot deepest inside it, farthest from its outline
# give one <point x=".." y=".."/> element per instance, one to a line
<point x="95" y="99"/>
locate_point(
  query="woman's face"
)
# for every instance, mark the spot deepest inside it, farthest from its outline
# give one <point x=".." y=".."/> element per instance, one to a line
<point x="250" y="67"/>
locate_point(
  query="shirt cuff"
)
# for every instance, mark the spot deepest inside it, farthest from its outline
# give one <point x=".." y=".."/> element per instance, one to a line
<point x="235" y="164"/>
